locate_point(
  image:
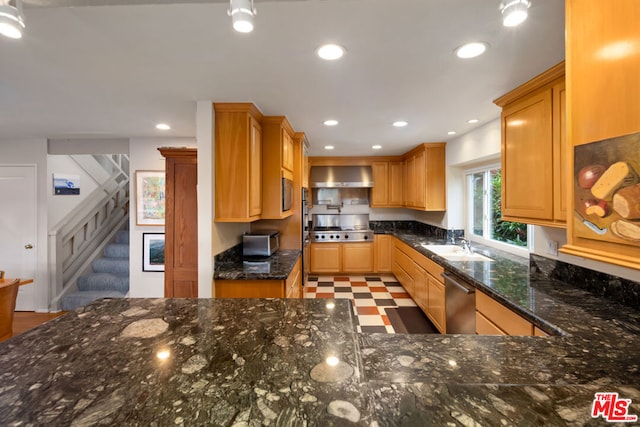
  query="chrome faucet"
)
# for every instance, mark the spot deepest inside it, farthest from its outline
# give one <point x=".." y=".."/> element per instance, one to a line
<point x="466" y="245"/>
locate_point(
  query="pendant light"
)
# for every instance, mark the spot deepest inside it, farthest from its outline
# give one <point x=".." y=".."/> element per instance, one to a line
<point x="11" y="19"/>
<point x="242" y="13"/>
<point x="514" y="12"/>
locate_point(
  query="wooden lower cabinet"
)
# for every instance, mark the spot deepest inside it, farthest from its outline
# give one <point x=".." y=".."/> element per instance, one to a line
<point x="357" y="257"/>
<point x="342" y="257"/>
<point x="492" y="318"/>
<point x="383" y="251"/>
<point x="436" y="306"/>
<point x="326" y="257"/>
<point x="420" y="277"/>
<point x="289" y="288"/>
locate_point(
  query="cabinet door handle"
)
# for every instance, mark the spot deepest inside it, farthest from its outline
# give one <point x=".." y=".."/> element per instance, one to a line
<point x="28" y="246"/>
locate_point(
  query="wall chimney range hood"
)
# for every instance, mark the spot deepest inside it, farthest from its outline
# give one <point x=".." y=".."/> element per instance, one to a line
<point x="341" y="177"/>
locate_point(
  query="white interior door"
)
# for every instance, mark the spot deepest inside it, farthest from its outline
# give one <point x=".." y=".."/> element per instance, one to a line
<point x="18" y="229"/>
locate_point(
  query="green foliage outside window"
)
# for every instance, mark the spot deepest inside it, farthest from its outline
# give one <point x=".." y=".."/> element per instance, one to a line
<point x="514" y="233"/>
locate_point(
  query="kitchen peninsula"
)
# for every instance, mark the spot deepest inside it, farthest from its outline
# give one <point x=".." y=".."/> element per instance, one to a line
<point x="291" y="361"/>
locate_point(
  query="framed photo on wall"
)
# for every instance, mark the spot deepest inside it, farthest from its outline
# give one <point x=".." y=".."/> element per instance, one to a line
<point x="150" y="197"/>
<point x="152" y="251"/>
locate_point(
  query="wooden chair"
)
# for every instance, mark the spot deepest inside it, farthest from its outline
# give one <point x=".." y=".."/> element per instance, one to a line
<point x="8" y="295"/>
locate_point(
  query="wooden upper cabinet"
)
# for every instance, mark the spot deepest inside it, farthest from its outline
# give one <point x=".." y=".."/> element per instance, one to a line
<point x="181" y="223"/>
<point x="533" y="150"/>
<point x="300" y="139"/>
<point x="396" y="183"/>
<point x="238" y="162"/>
<point x="602" y="103"/>
<point x="388" y="178"/>
<point x="287" y="150"/>
<point x="278" y="152"/>
<point x="255" y="169"/>
<point x="380" y="190"/>
<point x="425" y="177"/>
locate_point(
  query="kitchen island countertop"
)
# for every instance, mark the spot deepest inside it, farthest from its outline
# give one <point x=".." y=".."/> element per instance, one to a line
<point x="246" y="362"/>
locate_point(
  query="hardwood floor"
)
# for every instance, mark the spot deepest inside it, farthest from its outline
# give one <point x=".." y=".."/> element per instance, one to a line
<point x="25" y="320"/>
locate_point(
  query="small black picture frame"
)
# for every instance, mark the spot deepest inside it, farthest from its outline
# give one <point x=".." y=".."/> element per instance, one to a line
<point x="153" y="252"/>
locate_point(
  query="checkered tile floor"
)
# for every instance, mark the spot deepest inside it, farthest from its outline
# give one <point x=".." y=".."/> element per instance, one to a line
<point x="370" y="295"/>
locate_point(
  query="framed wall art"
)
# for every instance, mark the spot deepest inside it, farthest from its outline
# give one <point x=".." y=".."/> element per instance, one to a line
<point x="152" y="251"/>
<point x="150" y="197"/>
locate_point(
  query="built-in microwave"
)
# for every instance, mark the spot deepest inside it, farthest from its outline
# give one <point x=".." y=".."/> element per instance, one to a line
<point x="287" y="194"/>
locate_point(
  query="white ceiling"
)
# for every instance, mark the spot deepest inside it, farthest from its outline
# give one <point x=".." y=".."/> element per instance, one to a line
<point x="115" y="71"/>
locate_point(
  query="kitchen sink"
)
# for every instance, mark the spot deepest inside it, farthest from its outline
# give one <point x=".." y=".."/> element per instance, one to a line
<point x="455" y="253"/>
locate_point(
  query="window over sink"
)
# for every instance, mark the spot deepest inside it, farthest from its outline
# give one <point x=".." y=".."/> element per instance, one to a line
<point x="483" y="213"/>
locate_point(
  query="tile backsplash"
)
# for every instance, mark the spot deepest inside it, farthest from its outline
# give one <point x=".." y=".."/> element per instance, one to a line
<point x="604" y="285"/>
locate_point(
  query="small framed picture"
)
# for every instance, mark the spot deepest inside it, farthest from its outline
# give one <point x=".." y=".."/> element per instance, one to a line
<point x="152" y="251"/>
<point x="150" y="197"/>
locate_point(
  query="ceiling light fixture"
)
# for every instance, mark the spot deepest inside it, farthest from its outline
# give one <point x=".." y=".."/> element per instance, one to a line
<point x="328" y="147"/>
<point x="330" y="52"/>
<point x="242" y="13"/>
<point x="376" y="147"/>
<point x="330" y="122"/>
<point x="471" y="50"/>
<point x="163" y="126"/>
<point x="514" y="12"/>
<point x="451" y="132"/>
<point x="11" y="19"/>
<point x="473" y="121"/>
<point x="400" y="124"/>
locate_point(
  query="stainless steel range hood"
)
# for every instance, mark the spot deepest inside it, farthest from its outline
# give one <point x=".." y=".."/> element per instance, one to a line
<point x="341" y="177"/>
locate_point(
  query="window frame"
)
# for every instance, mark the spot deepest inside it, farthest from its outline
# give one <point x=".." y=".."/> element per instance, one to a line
<point x="467" y="174"/>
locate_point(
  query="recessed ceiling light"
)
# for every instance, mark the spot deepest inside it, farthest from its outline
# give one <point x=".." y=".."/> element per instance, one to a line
<point x="328" y="147"/>
<point x="376" y="147"/>
<point x="471" y="50"/>
<point x="451" y="132"/>
<point x="400" y="123"/>
<point x="330" y="122"/>
<point x="514" y="12"/>
<point x="330" y="52"/>
<point x="473" y="121"/>
<point x="163" y="126"/>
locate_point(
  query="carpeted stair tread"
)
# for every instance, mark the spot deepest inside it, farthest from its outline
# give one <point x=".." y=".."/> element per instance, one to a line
<point x="104" y="282"/>
<point x="79" y="299"/>
<point x="117" y="250"/>
<point x="110" y="265"/>
<point x="122" y="236"/>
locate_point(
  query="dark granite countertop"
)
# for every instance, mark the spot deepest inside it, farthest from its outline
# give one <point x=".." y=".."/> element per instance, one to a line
<point x="251" y="362"/>
<point x="276" y="267"/>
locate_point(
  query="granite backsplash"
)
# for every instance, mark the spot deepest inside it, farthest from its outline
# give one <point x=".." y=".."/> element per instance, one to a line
<point x="623" y="291"/>
<point x="416" y="227"/>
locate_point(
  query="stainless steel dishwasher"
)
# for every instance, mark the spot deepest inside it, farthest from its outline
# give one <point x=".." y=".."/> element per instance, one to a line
<point x="460" y="300"/>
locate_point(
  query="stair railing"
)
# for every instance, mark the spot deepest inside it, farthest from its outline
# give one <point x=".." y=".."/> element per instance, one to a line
<point x="82" y="235"/>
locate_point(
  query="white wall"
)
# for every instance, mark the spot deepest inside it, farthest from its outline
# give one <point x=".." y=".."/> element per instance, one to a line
<point x="144" y="155"/>
<point x="34" y="152"/>
<point x="59" y="206"/>
<point x="483" y="145"/>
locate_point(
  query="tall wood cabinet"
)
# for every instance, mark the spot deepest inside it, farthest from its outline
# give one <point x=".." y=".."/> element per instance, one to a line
<point x="181" y="223"/>
<point x="602" y="103"/>
<point x="238" y="162"/>
<point x="534" y="150"/>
